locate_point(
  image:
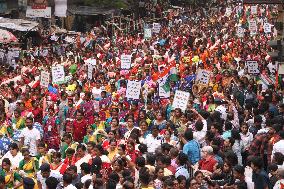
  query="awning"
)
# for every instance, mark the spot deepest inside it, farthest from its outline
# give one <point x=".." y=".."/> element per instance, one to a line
<point x="87" y="11"/>
<point x="18" y="24"/>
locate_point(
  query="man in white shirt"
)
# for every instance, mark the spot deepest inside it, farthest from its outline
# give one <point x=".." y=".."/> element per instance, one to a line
<point x="30" y="137"/>
<point x="67" y="181"/>
<point x="279" y="146"/>
<point x="153" y="141"/>
<point x="44" y="173"/>
<point x="86" y="172"/>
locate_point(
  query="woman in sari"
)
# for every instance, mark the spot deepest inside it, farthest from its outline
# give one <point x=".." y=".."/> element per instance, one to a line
<point x="18" y="122"/>
<point x="67" y="143"/>
<point x="29" y="165"/>
<point x="51" y="125"/>
<point x="57" y="164"/>
<point x="12" y="178"/>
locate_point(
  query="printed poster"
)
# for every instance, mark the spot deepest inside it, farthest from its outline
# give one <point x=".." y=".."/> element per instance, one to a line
<point x="44" y="79"/>
<point x="133" y="90"/>
<point x="147" y="33"/>
<point x="181" y="100"/>
<point x="58" y="74"/>
<point x="156" y="27"/>
<point x="240" y="32"/>
<point x="252" y="27"/>
<point x="267" y="28"/>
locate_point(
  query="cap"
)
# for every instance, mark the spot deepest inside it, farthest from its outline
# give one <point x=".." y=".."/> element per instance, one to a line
<point x="45" y="167"/>
<point x="28" y="182"/>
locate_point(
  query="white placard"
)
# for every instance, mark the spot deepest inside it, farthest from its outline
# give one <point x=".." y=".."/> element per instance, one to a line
<point x="181" y="100"/>
<point x="253" y="9"/>
<point x="44" y="79"/>
<point x="203" y="76"/>
<point x="36" y="13"/>
<point x="125" y="61"/>
<point x="240" y="32"/>
<point x="60" y="8"/>
<point x="90" y="71"/>
<point x="156" y="27"/>
<point x="228" y="12"/>
<point x="281" y="68"/>
<point x="58" y="74"/>
<point x="252" y="67"/>
<point x="267" y="28"/>
<point x="147" y="33"/>
<point x="133" y="89"/>
<point x="91" y="61"/>
<point x="252" y="27"/>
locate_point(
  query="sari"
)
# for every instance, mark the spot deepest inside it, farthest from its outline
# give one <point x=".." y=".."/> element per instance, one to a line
<point x="30" y="168"/>
<point x="10" y="178"/>
<point x="51" y="133"/>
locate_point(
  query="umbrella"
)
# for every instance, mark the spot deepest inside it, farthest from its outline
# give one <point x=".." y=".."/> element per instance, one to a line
<point x="7" y="37"/>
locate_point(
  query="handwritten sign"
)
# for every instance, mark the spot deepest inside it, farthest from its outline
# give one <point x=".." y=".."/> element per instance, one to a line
<point x="252" y="27"/>
<point x="125" y="62"/>
<point x="267" y="28"/>
<point x="240" y="32"/>
<point x="202" y="76"/>
<point x="133" y="89"/>
<point x="147" y="33"/>
<point x="36" y="13"/>
<point x="252" y="67"/>
<point x="181" y="100"/>
<point x="44" y="79"/>
<point x="156" y="27"/>
<point x="58" y="74"/>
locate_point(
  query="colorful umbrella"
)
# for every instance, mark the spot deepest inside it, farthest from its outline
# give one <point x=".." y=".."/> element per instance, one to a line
<point x="7" y="37"/>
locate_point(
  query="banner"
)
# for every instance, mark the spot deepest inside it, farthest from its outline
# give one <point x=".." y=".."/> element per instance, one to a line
<point x="156" y="27"/>
<point x="252" y="67"/>
<point x="38" y="13"/>
<point x="181" y="100"/>
<point x="60" y="8"/>
<point x="44" y="79"/>
<point x="267" y="28"/>
<point x="58" y="74"/>
<point x="147" y="33"/>
<point x="133" y="90"/>
<point x="202" y="77"/>
<point x="125" y="61"/>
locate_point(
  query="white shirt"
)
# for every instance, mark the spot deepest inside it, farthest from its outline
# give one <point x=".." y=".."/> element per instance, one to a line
<point x="246" y="139"/>
<point x="15" y="160"/>
<point x="152" y="143"/>
<point x="182" y="171"/>
<point x="199" y="136"/>
<point x="278" y="147"/>
<point x="70" y="186"/>
<point x="42" y="180"/>
<point x="85" y="178"/>
<point x="30" y="138"/>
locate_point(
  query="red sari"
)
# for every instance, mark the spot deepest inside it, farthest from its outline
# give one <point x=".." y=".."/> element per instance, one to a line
<point x="79" y="130"/>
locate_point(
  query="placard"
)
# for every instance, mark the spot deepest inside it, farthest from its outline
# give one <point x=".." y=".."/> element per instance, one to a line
<point x="267" y="28"/>
<point x="253" y="9"/>
<point x="181" y="100"/>
<point x="147" y="33"/>
<point x="252" y="27"/>
<point x="156" y="27"/>
<point x="252" y="67"/>
<point x="125" y="61"/>
<point x="162" y="92"/>
<point x="228" y="12"/>
<point x="202" y="77"/>
<point x="36" y="13"/>
<point x="91" y="61"/>
<point x="60" y="8"/>
<point x="58" y="75"/>
<point x="44" y="79"/>
<point x="90" y="71"/>
<point x="281" y="68"/>
<point x="240" y="32"/>
<point x="133" y="89"/>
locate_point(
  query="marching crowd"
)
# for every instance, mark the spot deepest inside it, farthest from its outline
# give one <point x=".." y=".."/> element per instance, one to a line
<point x="86" y="132"/>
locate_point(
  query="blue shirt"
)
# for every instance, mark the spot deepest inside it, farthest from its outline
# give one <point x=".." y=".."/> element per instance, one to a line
<point x="192" y="150"/>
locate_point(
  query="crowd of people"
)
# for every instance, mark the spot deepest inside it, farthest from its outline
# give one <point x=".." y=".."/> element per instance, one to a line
<point x="86" y="133"/>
